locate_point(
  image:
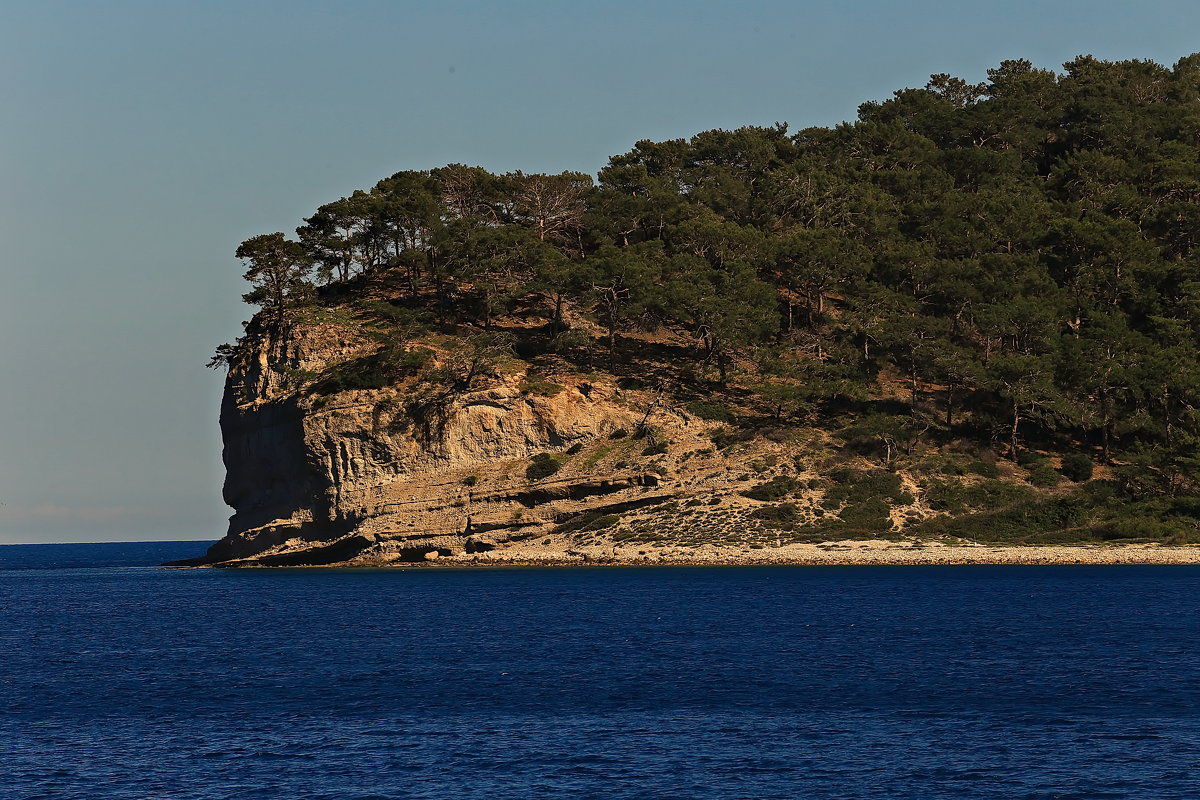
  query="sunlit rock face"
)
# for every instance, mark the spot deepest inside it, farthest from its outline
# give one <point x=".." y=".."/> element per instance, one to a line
<point x="371" y="475"/>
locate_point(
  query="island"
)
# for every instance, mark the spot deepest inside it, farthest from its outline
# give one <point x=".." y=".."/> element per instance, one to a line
<point x="960" y="329"/>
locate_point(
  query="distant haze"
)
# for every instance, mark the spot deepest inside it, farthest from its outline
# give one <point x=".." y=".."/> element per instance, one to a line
<point x="142" y="141"/>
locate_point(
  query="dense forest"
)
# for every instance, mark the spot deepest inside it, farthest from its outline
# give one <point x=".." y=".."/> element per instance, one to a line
<point x="1012" y="263"/>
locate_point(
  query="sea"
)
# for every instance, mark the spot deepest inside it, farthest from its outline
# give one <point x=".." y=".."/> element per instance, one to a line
<point x="121" y="679"/>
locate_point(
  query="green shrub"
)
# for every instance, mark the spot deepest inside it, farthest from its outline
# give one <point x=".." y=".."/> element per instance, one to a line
<point x="987" y="469"/>
<point x="656" y="449"/>
<point x="601" y="522"/>
<point x="619" y="433"/>
<point x="775" y="489"/>
<point x="575" y="448"/>
<point x="1079" y="516"/>
<point x="880" y="435"/>
<point x="727" y="437"/>
<point x="706" y="409"/>
<point x="470" y="480"/>
<point x="868" y="515"/>
<point x="374" y="371"/>
<point x="597" y="454"/>
<point x="411" y="360"/>
<point x="295" y="378"/>
<point x="1101" y="492"/>
<point x="1131" y="529"/>
<point x="543" y="466"/>
<point x="951" y="466"/>
<point x="588" y="521"/>
<point x="544" y="388"/>
<point x="1029" y="459"/>
<point x="776" y="516"/>
<point x="856" y="486"/>
<point x="1043" y="476"/>
<point x="1077" y="467"/>
<point x="956" y="497"/>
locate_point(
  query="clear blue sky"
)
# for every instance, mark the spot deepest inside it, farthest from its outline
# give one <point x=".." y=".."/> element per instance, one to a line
<point x="140" y="142"/>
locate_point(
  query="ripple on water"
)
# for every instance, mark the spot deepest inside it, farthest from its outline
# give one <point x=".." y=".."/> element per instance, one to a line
<point x="1014" y="682"/>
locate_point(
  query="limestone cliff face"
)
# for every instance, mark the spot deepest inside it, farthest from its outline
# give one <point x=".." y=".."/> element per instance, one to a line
<point x="414" y="471"/>
<point x="358" y="475"/>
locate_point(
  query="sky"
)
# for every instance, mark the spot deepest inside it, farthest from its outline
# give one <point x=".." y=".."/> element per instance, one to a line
<point x="140" y="142"/>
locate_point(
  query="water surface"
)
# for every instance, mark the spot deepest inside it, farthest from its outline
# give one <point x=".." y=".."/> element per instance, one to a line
<point x="764" y="682"/>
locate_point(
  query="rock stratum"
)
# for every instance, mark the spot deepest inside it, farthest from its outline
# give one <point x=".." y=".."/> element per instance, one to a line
<point x="372" y="477"/>
<point x="354" y="477"/>
<point x="360" y="477"/>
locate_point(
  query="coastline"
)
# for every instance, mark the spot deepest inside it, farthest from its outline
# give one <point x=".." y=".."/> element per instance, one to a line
<point x="847" y="553"/>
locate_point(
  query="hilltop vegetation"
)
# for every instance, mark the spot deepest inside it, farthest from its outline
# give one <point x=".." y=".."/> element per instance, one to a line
<point x="1005" y="270"/>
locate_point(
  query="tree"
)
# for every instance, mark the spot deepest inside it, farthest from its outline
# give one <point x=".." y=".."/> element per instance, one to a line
<point x="815" y="262"/>
<point x="1026" y="384"/>
<point x="345" y="238"/>
<point x="792" y="383"/>
<point x="472" y="357"/>
<point x="467" y="192"/>
<point x="408" y="219"/>
<point x="1099" y="367"/>
<point x="279" y="269"/>
<point x="552" y="206"/>
<point x="727" y="310"/>
<point x="957" y="369"/>
<point x="558" y="278"/>
<point x="913" y="342"/>
<point x="1023" y="252"/>
<point x="623" y="284"/>
<point x="498" y="262"/>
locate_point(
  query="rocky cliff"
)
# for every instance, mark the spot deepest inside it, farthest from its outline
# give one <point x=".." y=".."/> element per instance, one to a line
<point x="354" y="476"/>
<point x="532" y="462"/>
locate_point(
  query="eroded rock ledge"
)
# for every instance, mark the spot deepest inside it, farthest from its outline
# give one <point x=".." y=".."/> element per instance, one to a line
<point x="317" y="479"/>
<point x="371" y="477"/>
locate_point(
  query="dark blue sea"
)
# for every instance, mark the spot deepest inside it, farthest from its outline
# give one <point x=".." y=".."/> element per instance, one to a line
<point x="120" y="680"/>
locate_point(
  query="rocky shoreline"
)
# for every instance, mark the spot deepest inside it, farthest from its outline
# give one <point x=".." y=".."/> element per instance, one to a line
<point x="849" y="553"/>
<point x="598" y="469"/>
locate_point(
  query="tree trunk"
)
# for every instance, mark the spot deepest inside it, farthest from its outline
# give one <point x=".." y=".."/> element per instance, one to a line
<point x="1105" y="426"/>
<point x="612" y="339"/>
<point x="1012" y="438"/>
<point x="790" y="306"/>
<point x="556" y="324"/>
<point x="439" y="289"/>
<point x="1167" y="416"/>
